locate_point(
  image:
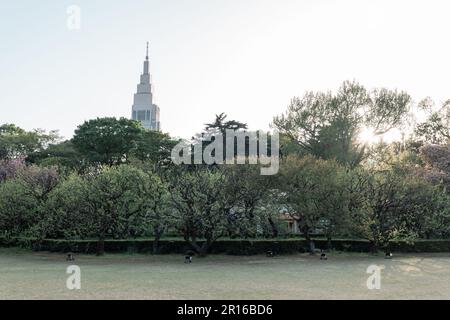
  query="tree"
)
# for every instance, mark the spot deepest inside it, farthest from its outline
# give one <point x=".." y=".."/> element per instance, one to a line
<point x="335" y="207"/>
<point x="382" y="196"/>
<point x="313" y="195"/>
<point x="437" y="159"/>
<point x="9" y="168"/>
<point x="437" y="225"/>
<point x="115" y="201"/>
<point x="202" y="206"/>
<point x="395" y="204"/>
<point x="436" y="128"/>
<point x="214" y="130"/>
<point x="155" y="147"/>
<point x="62" y="155"/>
<point x="22" y="199"/>
<point x="101" y="204"/>
<point x="426" y="210"/>
<point x="221" y="125"/>
<point x="70" y="213"/>
<point x="107" y="140"/>
<point x="154" y="207"/>
<point x="327" y="125"/>
<point x="19" y="210"/>
<point x="18" y="143"/>
<point x="251" y="194"/>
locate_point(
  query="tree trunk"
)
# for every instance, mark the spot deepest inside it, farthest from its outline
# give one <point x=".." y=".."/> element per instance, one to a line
<point x="373" y="246"/>
<point x="387" y="246"/>
<point x="203" y="251"/>
<point x="158" y="234"/>
<point x="155" y="248"/>
<point x="329" y="244"/>
<point x="101" y="246"/>
<point x="273" y="227"/>
<point x="311" y="247"/>
<point x="194" y="245"/>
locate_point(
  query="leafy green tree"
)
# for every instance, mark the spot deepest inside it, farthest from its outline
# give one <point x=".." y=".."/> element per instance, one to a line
<point x="436" y="128"/>
<point x="437" y="159"/>
<point x="313" y="194"/>
<point x="19" y="210"/>
<point x="425" y="211"/>
<point x="22" y="200"/>
<point x="327" y="125"/>
<point x="107" y="140"/>
<point x="18" y="143"/>
<point x="382" y="196"/>
<point x="202" y="206"/>
<point x="101" y="204"/>
<point x="212" y="130"/>
<point x="61" y="155"/>
<point x="155" y="211"/>
<point x="154" y="146"/>
<point x="220" y="125"/>
<point x="437" y="225"/>
<point x="115" y="200"/>
<point x="335" y="208"/>
<point x="251" y="194"/>
<point x="70" y="213"/>
<point x="395" y="204"/>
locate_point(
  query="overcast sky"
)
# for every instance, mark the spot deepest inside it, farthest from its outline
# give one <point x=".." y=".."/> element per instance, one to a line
<point x="247" y="58"/>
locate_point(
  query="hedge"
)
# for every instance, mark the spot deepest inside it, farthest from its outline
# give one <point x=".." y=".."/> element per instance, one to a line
<point x="232" y="247"/>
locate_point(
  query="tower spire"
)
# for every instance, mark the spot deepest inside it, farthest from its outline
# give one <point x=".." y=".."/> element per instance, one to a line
<point x="143" y="109"/>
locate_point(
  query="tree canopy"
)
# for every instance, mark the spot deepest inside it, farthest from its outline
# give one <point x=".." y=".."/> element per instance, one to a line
<point x="107" y="140"/>
<point x="15" y="142"/>
<point x="326" y="125"/>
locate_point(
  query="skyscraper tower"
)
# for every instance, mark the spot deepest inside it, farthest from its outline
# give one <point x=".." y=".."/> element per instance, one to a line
<point x="143" y="108"/>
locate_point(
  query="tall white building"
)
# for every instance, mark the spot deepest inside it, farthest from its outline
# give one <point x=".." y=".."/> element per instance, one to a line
<point x="143" y="108"/>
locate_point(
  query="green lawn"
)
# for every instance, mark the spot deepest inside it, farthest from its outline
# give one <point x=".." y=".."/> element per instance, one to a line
<point x="40" y="275"/>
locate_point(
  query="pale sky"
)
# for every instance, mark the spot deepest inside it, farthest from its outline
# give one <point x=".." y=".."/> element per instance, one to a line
<point x="247" y="58"/>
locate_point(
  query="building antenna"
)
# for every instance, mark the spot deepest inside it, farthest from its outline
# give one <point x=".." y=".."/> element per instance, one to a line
<point x="146" y="56"/>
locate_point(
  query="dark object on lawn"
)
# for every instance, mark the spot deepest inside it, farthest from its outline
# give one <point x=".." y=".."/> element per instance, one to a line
<point x="388" y="255"/>
<point x="269" y="254"/>
<point x="188" y="256"/>
<point x="323" y="256"/>
<point x="70" y="257"/>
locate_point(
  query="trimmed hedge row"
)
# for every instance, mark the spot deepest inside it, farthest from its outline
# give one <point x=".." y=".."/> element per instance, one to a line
<point x="232" y="247"/>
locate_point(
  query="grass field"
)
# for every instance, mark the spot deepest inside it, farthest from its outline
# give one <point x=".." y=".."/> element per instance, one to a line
<point x="40" y="275"/>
